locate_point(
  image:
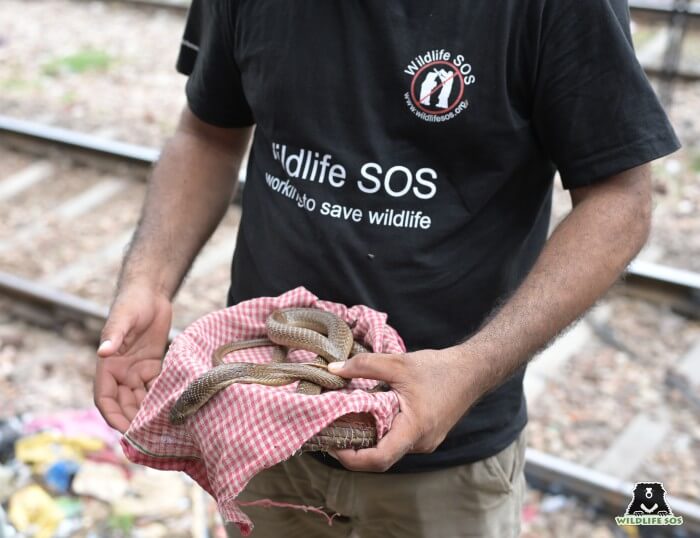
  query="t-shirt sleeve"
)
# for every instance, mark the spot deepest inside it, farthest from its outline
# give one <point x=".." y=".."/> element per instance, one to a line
<point x="214" y="88"/>
<point x="594" y="109"/>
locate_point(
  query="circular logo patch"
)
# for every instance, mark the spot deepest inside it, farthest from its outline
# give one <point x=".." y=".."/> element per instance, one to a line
<point x="437" y="88"/>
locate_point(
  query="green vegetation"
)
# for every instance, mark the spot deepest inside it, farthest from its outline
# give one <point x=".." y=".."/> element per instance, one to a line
<point x="79" y="62"/>
<point x="696" y="163"/>
<point x="17" y="84"/>
<point x="69" y="97"/>
<point x="643" y="35"/>
<point x="122" y="523"/>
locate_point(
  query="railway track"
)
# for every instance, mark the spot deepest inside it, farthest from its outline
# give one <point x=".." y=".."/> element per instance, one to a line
<point x="59" y="290"/>
<point x="88" y="189"/>
<point x="678" y="13"/>
<point x="658" y="7"/>
<point x="679" y="288"/>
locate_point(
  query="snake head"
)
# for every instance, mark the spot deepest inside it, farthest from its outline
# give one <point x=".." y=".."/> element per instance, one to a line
<point x="176" y="416"/>
<point x="186" y="405"/>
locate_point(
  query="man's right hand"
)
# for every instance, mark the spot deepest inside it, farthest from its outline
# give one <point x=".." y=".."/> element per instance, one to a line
<point x="131" y="351"/>
<point x="188" y="194"/>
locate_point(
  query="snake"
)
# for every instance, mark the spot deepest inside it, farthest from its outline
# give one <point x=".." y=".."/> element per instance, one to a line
<point x="310" y="329"/>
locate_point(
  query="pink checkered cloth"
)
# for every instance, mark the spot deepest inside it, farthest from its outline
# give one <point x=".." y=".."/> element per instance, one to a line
<point x="247" y="428"/>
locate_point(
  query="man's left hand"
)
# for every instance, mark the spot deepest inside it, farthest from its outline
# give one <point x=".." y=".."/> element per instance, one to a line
<point x="435" y="388"/>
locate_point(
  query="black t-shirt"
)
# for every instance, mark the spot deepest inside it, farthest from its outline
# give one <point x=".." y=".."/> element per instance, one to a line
<point x="404" y="153"/>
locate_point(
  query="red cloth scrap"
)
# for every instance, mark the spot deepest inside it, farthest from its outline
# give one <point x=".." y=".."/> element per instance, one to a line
<point x="247" y="428"/>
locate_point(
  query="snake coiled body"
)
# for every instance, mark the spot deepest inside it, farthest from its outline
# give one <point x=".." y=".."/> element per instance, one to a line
<point x="310" y="329"/>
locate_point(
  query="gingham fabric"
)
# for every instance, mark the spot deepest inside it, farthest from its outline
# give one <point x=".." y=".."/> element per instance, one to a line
<point x="247" y="428"/>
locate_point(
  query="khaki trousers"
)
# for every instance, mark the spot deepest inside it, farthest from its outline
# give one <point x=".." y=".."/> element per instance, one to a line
<point x="481" y="499"/>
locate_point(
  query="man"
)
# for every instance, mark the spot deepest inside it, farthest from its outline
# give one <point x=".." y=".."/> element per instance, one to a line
<point x="403" y="158"/>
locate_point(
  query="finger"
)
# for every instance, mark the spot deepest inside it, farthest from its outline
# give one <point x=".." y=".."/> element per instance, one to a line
<point x="145" y="372"/>
<point x="112" y="413"/>
<point x="118" y="421"/>
<point x="106" y="397"/>
<point x="140" y="394"/>
<point x="128" y="403"/>
<point x="391" y="448"/>
<point x="115" y="331"/>
<point x="107" y="347"/>
<point x="104" y="392"/>
<point x="381" y="366"/>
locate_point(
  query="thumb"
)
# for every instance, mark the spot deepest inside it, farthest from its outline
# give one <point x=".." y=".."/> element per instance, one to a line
<point x="380" y="366"/>
<point x="115" y="331"/>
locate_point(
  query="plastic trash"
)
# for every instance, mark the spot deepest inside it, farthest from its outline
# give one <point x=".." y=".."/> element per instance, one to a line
<point x="553" y="503"/>
<point x="154" y="494"/>
<point x="7" y="483"/>
<point x="33" y="511"/>
<point x="10" y="431"/>
<point x="58" y="475"/>
<point x="153" y="530"/>
<point x="109" y="456"/>
<point x="45" y="448"/>
<point x="630" y="531"/>
<point x="102" y="481"/>
<point x="74" y="423"/>
<point x="529" y="513"/>
<point x="72" y="524"/>
<point x="13" y="476"/>
<point x="6" y="530"/>
<point x="70" y="506"/>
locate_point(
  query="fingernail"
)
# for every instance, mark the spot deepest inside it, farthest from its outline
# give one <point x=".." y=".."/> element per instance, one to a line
<point x="336" y="366"/>
<point x="332" y="454"/>
<point x="104" y="345"/>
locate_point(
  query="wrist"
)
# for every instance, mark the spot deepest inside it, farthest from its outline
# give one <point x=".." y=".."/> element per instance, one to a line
<point x="470" y="370"/>
<point x="144" y="284"/>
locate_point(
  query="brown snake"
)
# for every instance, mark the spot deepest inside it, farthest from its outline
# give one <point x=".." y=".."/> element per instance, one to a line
<point x="310" y="329"/>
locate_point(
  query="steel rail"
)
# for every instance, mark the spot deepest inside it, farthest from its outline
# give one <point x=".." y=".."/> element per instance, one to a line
<point x="35" y="138"/>
<point x="544" y="471"/>
<point x="17" y="131"/>
<point x="173" y="5"/>
<point x="66" y="305"/>
<point x="660" y="72"/>
<point x="660" y="7"/>
<point x="60" y="305"/>
<point x="678" y="288"/>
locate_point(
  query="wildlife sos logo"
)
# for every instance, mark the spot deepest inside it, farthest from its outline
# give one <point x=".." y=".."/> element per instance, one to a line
<point x="437" y="85"/>
<point x="649" y="507"/>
